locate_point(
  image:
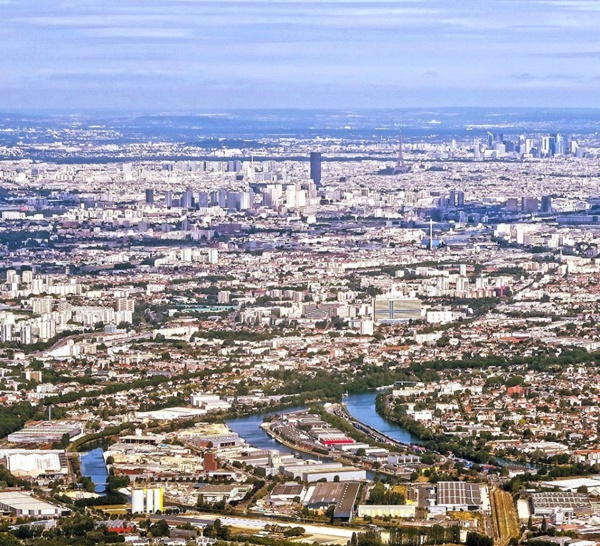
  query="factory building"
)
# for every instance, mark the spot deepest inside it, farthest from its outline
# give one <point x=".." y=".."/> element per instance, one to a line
<point x="22" y="504"/>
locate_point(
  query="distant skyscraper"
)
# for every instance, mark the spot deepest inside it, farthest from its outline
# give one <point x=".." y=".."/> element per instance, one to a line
<point x="546" y="203"/>
<point x="315" y="168"/>
<point x="187" y="199"/>
<point x="573" y="146"/>
<point x="548" y="145"/>
<point x="560" y="145"/>
<point x="149" y="196"/>
<point x="452" y="198"/>
<point x="168" y="198"/>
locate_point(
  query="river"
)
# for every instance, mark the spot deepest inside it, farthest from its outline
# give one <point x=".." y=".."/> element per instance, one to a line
<point x="249" y="429"/>
<point x="360" y="406"/>
<point x="93" y="466"/>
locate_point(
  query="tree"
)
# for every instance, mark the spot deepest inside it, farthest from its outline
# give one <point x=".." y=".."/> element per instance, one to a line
<point x="372" y="537"/>
<point x="294" y="532"/>
<point x="160" y="529"/>
<point x="6" y="539"/>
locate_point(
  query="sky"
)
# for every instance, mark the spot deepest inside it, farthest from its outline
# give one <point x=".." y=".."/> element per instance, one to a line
<point x="185" y="56"/>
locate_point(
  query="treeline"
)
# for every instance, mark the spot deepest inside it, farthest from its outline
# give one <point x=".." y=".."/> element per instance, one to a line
<point x="113" y="388"/>
<point x="13" y="418"/>
<point x="98" y="436"/>
<point x="406" y="535"/>
<point x="332" y="385"/>
<point x="415" y="536"/>
<point x="476" y="539"/>
<point x="540" y="362"/>
<point x="233" y="335"/>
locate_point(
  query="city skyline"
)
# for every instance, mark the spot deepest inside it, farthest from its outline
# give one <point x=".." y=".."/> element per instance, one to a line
<point x="186" y="56"/>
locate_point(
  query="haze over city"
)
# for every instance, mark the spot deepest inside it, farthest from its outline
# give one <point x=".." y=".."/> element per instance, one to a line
<point x="195" y="56"/>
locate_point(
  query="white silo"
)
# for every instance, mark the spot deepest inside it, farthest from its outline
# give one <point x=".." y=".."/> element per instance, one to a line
<point x="149" y="494"/>
<point x="158" y="499"/>
<point x="137" y="501"/>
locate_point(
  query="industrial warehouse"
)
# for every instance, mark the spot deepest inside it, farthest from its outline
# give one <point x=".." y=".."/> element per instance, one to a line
<point x="17" y="503"/>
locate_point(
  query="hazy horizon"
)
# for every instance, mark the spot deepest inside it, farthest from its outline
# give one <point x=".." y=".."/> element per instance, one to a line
<point x="196" y="56"/>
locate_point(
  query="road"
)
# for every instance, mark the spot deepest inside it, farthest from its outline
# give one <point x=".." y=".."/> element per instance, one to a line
<point x="330" y="534"/>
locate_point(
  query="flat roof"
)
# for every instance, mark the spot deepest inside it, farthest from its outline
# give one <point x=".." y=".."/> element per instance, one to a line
<point x="560" y="499"/>
<point x="458" y="493"/>
<point x="283" y="489"/>
<point x="20" y="501"/>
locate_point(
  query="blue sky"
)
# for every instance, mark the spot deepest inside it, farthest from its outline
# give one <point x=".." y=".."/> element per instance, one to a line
<point x="190" y="55"/>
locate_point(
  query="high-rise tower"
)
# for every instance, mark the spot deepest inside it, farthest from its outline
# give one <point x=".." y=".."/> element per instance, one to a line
<point x="315" y="168"/>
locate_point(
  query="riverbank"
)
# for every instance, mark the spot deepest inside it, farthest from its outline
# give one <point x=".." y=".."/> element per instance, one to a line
<point x="333" y="456"/>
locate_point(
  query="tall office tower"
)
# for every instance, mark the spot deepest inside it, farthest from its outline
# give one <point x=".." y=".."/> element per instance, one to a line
<point x="315" y="168"/>
<point x="452" y="198"/>
<point x="573" y="145"/>
<point x="187" y="199"/>
<point x="491" y="138"/>
<point x="168" y="198"/>
<point x="222" y="198"/>
<point x="213" y="256"/>
<point x="476" y="150"/>
<point x="546" y="203"/>
<point x="560" y="144"/>
<point x="548" y="145"/>
<point x="512" y="204"/>
<point x="529" y="204"/>
<point x="203" y="199"/>
<point x="529" y="145"/>
<point x="234" y="166"/>
<point x="460" y="199"/>
<point x="127" y="171"/>
<point x="149" y="196"/>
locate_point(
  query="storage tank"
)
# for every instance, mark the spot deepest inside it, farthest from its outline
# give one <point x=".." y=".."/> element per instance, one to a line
<point x="159" y="500"/>
<point x="137" y="501"/>
<point x="149" y="494"/>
